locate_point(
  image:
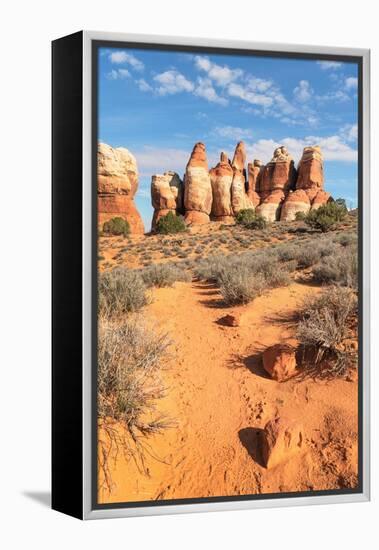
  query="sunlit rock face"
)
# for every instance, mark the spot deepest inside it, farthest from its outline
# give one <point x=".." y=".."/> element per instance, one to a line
<point x="240" y="199"/>
<point x="221" y="180"/>
<point x="296" y="201"/>
<point x="197" y="187"/>
<point x="166" y="195"/>
<point x="117" y="184"/>
<point x="278" y="174"/>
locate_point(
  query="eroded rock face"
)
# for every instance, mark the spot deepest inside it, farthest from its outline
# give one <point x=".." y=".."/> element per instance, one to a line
<point x="166" y="195"/>
<point x="311" y="172"/>
<point x="240" y="199"/>
<point x="320" y="199"/>
<point x="197" y="187"/>
<point x="117" y="185"/>
<point x="296" y="201"/>
<point x="271" y="206"/>
<point x="221" y="181"/>
<point x="279" y="361"/>
<point x="278" y="174"/>
<point x="254" y="176"/>
<point x="282" y="440"/>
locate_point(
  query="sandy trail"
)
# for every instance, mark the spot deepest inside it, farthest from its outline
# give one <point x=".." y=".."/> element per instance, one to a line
<point x="220" y="398"/>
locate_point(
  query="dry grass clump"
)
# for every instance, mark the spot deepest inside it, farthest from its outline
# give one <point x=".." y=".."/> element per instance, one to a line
<point x="243" y="277"/>
<point x="130" y="354"/>
<point x="325" y="324"/>
<point x="240" y="286"/>
<point x="339" y="268"/>
<point x="163" y="275"/>
<point x="121" y="291"/>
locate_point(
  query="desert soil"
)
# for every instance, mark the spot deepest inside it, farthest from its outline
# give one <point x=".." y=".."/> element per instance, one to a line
<point x="220" y="398"/>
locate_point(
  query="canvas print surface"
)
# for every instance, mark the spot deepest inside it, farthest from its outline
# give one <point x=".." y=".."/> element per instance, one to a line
<point x="227" y="271"/>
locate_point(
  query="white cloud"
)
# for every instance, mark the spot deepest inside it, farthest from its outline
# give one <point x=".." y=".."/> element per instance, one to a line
<point x="156" y="160"/>
<point x="351" y="83"/>
<point x="339" y="96"/>
<point x="143" y="85"/>
<point x="120" y="56"/>
<point x="349" y="132"/>
<point x="172" y="82"/>
<point x="221" y="75"/>
<point x="303" y="91"/>
<point x="205" y="90"/>
<point x="333" y="148"/>
<point x="233" y="132"/>
<point x="116" y="74"/>
<point x="327" y="65"/>
<point x="236" y="90"/>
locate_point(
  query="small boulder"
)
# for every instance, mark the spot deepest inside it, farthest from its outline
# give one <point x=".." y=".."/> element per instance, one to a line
<point x="236" y="319"/>
<point x="279" y="361"/>
<point x="282" y="439"/>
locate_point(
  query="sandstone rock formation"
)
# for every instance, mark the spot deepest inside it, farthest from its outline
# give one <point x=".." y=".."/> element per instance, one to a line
<point x="310" y="171"/>
<point x="221" y="181"/>
<point x="271" y="206"/>
<point x="117" y="184"/>
<point x="276" y="191"/>
<point x="197" y="187"/>
<point x="296" y="201"/>
<point x="279" y="361"/>
<point x="240" y="199"/>
<point x="279" y="173"/>
<point x="254" y="176"/>
<point x="282" y="440"/>
<point x="166" y="195"/>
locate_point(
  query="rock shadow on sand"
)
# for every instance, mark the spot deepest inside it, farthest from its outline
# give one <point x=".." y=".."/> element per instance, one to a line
<point x="251" y="439"/>
<point x="252" y="362"/>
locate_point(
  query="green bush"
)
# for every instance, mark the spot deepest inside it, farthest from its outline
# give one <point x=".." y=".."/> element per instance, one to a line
<point x="116" y="226"/>
<point x="248" y="218"/>
<point x="170" y="223"/>
<point x="300" y="216"/>
<point x="121" y="291"/>
<point x="326" y="216"/>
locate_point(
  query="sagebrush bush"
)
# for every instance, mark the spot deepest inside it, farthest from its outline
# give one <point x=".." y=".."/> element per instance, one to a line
<point x="116" y="226"/>
<point x="170" y="224"/>
<point x="339" y="268"/>
<point x="325" y="324"/>
<point x="240" y="286"/>
<point x="121" y="291"/>
<point x="161" y="275"/>
<point x="129" y="358"/>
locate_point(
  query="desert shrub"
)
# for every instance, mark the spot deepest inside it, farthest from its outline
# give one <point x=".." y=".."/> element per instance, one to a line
<point x="171" y="223"/>
<point x="287" y="252"/>
<point x="346" y="239"/>
<point x="116" y="226"/>
<point x="326" y="216"/>
<point x="324" y="326"/>
<point x="129" y="358"/>
<point x="300" y="216"/>
<point x="248" y="218"/>
<point x="240" y="286"/>
<point x="339" y="268"/>
<point x="121" y="291"/>
<point x="161" y="275"/>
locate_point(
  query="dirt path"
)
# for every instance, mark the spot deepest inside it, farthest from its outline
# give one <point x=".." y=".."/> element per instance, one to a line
<point x="220" y="398"/>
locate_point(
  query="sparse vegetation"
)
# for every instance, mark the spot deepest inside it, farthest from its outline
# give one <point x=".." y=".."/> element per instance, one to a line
<point x="161" y="275"/>
<point x="121" y="291"/>
<point x="325" y="325"/>
<point x="340" y="268"/>
<point x="240" y="286"/>
<point x="325" y="217"/>
<point x="129" y="356"/>
<point x="170" y="224"/>
<point x="116" y="226"/>
<point x="249" y="219"/>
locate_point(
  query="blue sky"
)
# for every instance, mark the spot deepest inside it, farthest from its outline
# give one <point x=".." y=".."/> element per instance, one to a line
<point x="158" y="104"/>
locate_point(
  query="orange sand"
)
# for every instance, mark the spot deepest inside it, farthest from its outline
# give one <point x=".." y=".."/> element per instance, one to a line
<point x="221" y="398"/>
